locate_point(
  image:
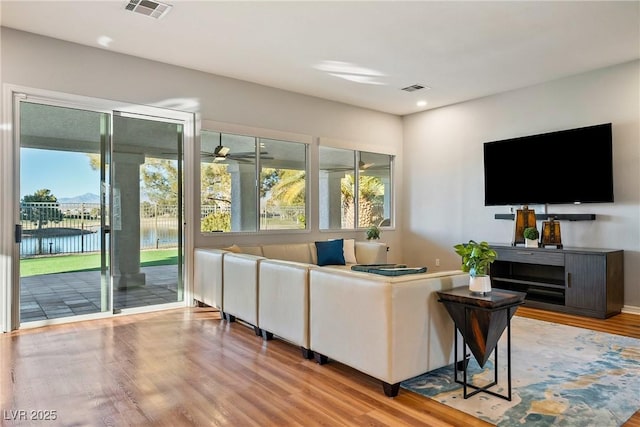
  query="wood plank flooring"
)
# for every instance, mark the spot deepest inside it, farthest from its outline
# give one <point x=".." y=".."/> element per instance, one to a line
<point x="186" y="367"/>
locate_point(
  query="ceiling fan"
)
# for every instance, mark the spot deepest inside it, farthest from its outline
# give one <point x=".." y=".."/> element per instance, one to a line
<point x="362" y="166"/>
<point x="222" y="153"/>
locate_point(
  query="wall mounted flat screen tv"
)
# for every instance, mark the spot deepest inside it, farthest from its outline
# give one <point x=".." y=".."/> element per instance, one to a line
<point x="564" y="167"/>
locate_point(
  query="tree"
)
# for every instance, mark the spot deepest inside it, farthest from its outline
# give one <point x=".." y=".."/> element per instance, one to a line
<point x="217" y="221"/>
<point x="158" y="178"/>
<point x="371" y="191"/>
<point x="289" y="190"/>
<point x="94" y="161"/>
<point x="160" y="181"/>
<point x="371" y="196"/>
<point x="40" y="208"/>
<point x="269" y="178"/>
<point x="215" y="185"/>
<point x="284" y="188"/>
<point x="215" y="194"/>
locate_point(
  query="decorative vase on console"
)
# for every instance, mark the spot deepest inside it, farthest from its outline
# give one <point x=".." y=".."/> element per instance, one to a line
<point x="531" y="236"/>
<point x="476" y="260"/>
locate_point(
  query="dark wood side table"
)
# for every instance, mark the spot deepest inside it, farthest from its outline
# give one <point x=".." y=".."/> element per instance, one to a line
<point x="481" y="319"/>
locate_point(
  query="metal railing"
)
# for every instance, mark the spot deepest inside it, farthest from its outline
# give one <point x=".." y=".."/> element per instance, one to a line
<point x="57" y="228"/>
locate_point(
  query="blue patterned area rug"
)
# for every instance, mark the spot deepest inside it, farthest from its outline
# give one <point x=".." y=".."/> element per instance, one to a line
<point x="561" y="375"/>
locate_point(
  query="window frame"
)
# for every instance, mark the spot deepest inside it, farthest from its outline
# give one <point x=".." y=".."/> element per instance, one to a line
<point x="257" y="134"/>
<point x="357" y="151"/>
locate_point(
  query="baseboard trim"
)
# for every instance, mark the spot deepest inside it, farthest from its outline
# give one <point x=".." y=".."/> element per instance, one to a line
<point x="631" y="309"/>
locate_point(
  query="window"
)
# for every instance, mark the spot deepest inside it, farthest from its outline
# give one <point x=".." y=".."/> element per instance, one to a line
<point x="350" y="195"/>
<point x="250" y="184"/>
<point x="374" y="189"/>
<point x="283" y="184"/>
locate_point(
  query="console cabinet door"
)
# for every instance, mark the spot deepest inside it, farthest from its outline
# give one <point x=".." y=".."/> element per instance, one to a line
<point x="586" y="281"/>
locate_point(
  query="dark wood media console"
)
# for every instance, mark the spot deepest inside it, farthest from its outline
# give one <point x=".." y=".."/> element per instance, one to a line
<point x="588" y="282"/>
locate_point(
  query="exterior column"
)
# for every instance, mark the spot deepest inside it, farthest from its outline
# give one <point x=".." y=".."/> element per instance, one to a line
<point x="244" y="212"/>
<point x="330" y="200"/>
<point x="125" y="227"/>
<point x="386" y="181"/>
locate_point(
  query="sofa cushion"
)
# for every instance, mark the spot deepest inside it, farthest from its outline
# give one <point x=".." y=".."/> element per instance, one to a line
<point x="349" y="249"/>
<point x="371" y="253"/>
<point x="251" y="250"/>
<point x="314" y="253"/>
<point x="297" y="252"/>
<point x="330" y="252"/>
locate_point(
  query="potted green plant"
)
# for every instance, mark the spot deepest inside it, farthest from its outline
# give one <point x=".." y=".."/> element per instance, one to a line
<point x="531" y="235"/>
<point x="476" y="260"/>
<point x="373" y="232"/>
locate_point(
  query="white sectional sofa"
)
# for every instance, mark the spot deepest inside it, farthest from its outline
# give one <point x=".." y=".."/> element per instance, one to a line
<point x="283" y="283"/>
<point x="240" y="287"/>
<point x="254" y="274"/>
<point x="207" y="276"/>
<point x="391" y="328"/>
<point x="283" y="302"/>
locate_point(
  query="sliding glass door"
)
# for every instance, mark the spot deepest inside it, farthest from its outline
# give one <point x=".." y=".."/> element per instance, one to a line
<point x="147" y="211"/>
<point x="64" y="248"/>
<point x="101" y="213"/>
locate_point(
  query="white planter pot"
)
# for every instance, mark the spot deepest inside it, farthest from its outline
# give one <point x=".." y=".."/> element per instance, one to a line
<point x="530" y="243"/>
<point x="480" y="284"/>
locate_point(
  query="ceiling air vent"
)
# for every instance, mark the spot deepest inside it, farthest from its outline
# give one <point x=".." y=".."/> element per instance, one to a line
<point x="150" y="8"/>
<point x="413" y="88"/>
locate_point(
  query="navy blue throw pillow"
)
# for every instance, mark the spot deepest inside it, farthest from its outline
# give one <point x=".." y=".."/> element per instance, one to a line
<point x="330" y="252"/>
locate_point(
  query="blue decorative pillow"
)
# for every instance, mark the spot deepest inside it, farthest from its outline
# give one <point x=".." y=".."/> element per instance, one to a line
<point x="330" y="252"/>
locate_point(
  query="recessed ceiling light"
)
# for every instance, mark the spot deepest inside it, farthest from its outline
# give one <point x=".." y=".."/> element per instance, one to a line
<point x="421" y="103"/>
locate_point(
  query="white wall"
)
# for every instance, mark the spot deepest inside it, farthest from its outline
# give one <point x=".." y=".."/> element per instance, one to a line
<point x="443" y="174"/>
<point x="45" y="63"/>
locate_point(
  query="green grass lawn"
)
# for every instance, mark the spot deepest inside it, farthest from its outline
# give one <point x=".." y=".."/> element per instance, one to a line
<point x="89" y="262"/>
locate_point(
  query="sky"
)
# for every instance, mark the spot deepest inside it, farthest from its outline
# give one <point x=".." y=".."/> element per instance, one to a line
<point x="65" y="173"/>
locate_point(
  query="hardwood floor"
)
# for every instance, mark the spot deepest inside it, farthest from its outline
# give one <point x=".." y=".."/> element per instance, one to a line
<point x="186" y="367"/>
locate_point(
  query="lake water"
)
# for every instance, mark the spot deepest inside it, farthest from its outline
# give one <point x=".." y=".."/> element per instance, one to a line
<point x="150" y="238"/>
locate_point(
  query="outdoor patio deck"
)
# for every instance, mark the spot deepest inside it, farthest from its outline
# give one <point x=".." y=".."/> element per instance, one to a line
<point x="51" y="296"/>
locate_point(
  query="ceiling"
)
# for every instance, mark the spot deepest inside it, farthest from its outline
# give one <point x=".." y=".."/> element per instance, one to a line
<point x="358" y="52"/>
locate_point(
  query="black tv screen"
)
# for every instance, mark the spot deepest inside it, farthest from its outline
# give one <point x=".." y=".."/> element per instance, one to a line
<point x="569" y="166"/>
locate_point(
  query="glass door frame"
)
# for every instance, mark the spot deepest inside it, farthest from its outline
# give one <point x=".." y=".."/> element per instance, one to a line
<point x="182" y="288"/>
<point x="10" y="182"/>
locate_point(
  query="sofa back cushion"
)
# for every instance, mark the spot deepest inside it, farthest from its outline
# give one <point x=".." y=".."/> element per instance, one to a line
<point x="297" y="252"/>
<point x="371" y="253"/>
<point x="251" y="250"/>
<point x="366" y="252"/>
<point x="349" y="249"/>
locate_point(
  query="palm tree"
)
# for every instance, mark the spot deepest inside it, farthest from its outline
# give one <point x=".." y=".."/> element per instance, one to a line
<point x="286" y="188"/>
<point x="370" y="191"/>
<point x="290" y="188"/>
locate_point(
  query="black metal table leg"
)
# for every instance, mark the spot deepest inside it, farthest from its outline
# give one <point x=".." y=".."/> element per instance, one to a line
<point x="462" y="365"/>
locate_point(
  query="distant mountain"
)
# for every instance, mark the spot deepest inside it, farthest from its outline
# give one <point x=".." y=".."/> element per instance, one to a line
<point x="84" y="198"/>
